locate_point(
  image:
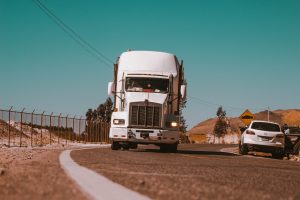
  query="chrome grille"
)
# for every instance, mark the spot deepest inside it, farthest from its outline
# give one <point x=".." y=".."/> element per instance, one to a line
<point x="145" y="115"/>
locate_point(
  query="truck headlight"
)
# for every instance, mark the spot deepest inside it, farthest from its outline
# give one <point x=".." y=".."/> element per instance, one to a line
<point x="174" y="124"/>
<point x="119" y="121"/>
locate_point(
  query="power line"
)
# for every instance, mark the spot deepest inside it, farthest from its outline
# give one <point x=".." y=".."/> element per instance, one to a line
<point x="210" y="103"/>
<point x="75" y="36"/>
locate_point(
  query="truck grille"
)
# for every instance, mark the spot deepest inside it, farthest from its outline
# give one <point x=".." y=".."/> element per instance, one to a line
<point x="145" y="116"/>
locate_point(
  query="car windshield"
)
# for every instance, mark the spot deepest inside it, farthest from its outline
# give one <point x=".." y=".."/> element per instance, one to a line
<point x="263" y="126"/>
<point x="138" y="84"/>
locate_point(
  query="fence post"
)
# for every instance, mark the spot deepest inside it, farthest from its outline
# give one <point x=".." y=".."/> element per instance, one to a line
<point x="86" y="130"/>
<point x="42" y="128"/>
<point x="101" y="131"/>
<point x="2" y="130"/>
<point x="73" y="130"/>
<point x="104" y="131"/>
<point x="96" y="130"/>
<point x="80" y="119"/>
<point x="67" y="127"/>
<point x="50" y="128"/>
<point x="9" y="125"/>
<point x="59" y="117"/>
<point x="107" y="132"/>
<point x="21" y="127"/>
<point x="31" y="128"/>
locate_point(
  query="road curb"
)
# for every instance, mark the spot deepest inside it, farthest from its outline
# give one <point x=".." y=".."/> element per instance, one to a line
<point x="93" y="184"/>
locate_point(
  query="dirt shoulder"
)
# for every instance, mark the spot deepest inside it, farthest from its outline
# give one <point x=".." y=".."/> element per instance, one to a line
<point x="27" y="173"/>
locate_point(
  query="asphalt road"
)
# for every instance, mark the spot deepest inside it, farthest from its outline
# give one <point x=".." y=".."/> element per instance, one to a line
<point x="195" y="172"/>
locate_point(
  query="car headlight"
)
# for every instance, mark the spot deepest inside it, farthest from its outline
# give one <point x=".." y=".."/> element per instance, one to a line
<point x="119" y="121"/>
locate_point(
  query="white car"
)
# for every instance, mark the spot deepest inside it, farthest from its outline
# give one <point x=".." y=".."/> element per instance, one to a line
<point x="263" y="136"/>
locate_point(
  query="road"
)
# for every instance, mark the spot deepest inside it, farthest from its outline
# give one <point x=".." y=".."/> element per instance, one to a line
<point x="195" y="172"/>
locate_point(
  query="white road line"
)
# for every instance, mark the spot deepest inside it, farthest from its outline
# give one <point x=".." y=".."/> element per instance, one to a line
<point x="96" y="186"/>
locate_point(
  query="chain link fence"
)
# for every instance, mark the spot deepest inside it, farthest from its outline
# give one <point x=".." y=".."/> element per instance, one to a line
<point x="23" y="129"/>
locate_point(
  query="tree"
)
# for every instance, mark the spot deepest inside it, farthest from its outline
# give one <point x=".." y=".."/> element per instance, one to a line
<point x="108" y="109"/>
<point x="102" y="113"/>
<point x="89" y="114"/>
<point x="221" y="125"/>
<point x="221" y="113"/>
<point x="93" y="116"/>
<point x="182" y="121"/>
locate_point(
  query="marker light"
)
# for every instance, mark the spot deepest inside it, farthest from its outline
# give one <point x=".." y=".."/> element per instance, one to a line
<point x="119" y="121"/>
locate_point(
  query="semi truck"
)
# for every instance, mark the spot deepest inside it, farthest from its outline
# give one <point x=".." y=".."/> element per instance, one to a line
<point x="148" y="89"/>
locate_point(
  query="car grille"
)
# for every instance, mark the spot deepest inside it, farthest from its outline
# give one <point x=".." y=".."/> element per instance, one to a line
<point x="145" y="115"/>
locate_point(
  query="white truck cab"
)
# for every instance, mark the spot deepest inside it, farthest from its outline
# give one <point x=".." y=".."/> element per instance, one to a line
<point x="148" y="87"/>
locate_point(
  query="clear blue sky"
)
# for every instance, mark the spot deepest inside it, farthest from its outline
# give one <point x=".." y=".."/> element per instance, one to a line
<point x="239" y="54"/>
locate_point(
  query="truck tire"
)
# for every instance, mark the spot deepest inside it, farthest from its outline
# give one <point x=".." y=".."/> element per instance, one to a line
<point x="133" y="145"/>
<point x="168" y="148"/>
<point x="125" y="147"/>
<point x="173" y="148"/>
<point x="115" y="145"/>
<point x="243" y="149"/>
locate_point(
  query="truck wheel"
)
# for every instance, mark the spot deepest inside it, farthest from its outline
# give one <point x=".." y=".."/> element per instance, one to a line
<point x="163" y="148"/>
<point x="243" y="149"/>
<point x="133" y="145"/>
<point x="172" y="148"/>
<point x="115" y="146"/>
<point x="126" y="147"/>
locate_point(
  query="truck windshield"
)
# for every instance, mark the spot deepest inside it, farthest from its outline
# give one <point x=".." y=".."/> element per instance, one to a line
<point x="138" y="84"/>
<point x="263" y="126"/>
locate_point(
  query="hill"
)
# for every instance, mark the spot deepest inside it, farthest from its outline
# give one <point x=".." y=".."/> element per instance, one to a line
<point x="203" y="131"/>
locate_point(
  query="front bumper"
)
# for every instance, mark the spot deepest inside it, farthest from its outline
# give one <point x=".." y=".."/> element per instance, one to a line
<point x="144" y="136"/>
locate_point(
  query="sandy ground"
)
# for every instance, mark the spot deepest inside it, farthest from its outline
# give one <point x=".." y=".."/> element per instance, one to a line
<point x="35" y="173"/>
<point x="235" y="150"/>
<point x="196" y="171"/>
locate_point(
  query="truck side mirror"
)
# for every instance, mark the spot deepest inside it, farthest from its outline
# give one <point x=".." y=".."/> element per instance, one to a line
<point x="183" y="91"/>
<point x="110" y="88"/>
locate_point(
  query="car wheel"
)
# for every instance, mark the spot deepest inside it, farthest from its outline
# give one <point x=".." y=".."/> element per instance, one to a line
<point x="278" y="155"/>
<point x="243" y="149"/>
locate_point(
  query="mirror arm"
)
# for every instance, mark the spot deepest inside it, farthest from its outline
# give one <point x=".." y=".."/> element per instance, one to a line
<point x="173" y="99"/>
<point x="122" y="99"/>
